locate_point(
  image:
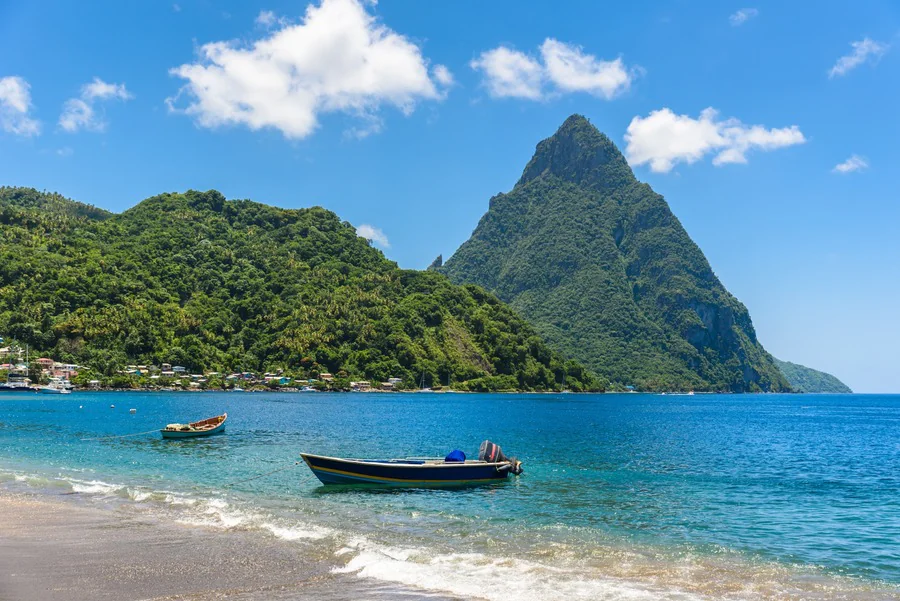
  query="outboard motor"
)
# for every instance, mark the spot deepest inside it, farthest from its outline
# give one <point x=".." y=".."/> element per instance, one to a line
<point x="492" y="453"/>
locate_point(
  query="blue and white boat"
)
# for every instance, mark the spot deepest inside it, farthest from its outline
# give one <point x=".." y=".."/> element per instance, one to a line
<point x="16" y="383"/>
<point x="454" y="470"/>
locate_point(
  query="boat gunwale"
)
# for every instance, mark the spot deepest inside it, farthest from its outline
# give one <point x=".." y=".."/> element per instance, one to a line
<point x="396" y="463"/>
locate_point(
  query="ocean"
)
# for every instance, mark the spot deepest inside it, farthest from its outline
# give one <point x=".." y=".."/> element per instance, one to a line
<point x="624" y="496"/>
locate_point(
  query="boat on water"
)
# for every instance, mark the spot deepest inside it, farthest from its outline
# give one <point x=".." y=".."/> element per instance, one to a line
<point x="453" y="470"/>
<point x="204" y="427"/>
<point x="54" y="390"/>
<point x="56" y="386"/>
<point x="422" y="387"/>
<point x="16" y="383"/>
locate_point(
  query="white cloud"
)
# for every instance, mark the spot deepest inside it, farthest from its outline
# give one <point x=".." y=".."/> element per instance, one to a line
<point x="80" y="113"/>
<point x="338" y="59"/>
<point x="742" y="16"/>
<point x="443" y="76"/>
<point x="663" y="139"/>
<point x="573" y="71"/>
<point x="510" y="73"/>
<point x="64" y="152"/>
<point x="373" y="234"/>
<point x="266" y="18"/>
<point x="100" y="90"/>
<point x="563" y="67"/>
<point x="862" y="50"/>
<point x="854" y="163"/>
<point x="15" y="104"/>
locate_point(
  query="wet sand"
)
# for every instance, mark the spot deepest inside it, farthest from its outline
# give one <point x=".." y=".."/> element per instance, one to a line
<point x="55" y="550"/>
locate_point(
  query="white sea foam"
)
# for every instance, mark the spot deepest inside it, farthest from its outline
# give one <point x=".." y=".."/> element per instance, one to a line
<point x="94" y="486"/>
<point x="217" y="513"/>
<point x="220" y="514"/>
<point x="138" y="495"/>
<point x="494" y="579"/>
<point x="292" y="533"/>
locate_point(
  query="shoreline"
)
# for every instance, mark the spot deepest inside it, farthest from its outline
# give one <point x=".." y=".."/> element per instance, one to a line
<point x="75" y="546"/>
<point x="59" y="550"/>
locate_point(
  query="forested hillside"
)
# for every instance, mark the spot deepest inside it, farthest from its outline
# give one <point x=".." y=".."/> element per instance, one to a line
<point x="597" y="262"/>
<point x="211" y="284"/>
<point x="807" y="379"/>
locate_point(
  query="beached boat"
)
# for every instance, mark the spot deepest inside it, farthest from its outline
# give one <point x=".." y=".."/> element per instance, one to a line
<point x="454" y="470"/>
<point x="205" y="427"/>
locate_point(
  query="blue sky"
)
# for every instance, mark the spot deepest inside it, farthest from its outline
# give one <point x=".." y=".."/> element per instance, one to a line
<point x="407" y="116"/>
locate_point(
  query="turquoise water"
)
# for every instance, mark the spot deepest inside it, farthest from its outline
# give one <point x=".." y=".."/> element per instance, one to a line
<point x="623" y="496"/>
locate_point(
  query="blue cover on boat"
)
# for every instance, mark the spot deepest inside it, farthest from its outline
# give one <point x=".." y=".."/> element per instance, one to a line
<point x="455" y="456"/>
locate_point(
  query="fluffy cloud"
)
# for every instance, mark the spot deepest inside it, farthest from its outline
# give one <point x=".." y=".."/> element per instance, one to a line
<point x="373" y="234"/>
<point x="663" y="139"/>
<point x="862" y="51"/>
<point x="510" y="73"/>
<point x="574" y="71"/>
<point x="742" y="16"/>
<point x="562" y="67"/>
<point x="15" y="104"/>
<point x="854" y="163"/>
<point x="79" y="113"/>
<point x="338" y="59"/>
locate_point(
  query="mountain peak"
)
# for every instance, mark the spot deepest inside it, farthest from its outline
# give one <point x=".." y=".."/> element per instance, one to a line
<point x="578" y="152"/>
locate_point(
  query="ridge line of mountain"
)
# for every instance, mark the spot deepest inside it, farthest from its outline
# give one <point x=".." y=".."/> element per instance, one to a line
<point x="597" y="262"/>
<point x="215" y="285"/>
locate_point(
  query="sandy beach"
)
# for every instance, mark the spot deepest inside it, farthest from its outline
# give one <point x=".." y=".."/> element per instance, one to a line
<point x="56" y="550"/>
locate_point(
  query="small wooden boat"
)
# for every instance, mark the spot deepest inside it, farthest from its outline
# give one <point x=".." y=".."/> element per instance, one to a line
<point x="492" y="466"/>
<point x="205" y="427"/>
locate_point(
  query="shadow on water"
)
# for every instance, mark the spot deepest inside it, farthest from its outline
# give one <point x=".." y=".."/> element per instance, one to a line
<point x="408" y="491"/>
<point x="205" y="447"/>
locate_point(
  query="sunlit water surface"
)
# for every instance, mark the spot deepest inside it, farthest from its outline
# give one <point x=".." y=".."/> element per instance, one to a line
<point x="623" y="497"/>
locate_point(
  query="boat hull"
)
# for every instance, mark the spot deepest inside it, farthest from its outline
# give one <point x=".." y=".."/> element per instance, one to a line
<point x="197" y="428"/>
<point x="419" y="474"/>
<point x="192" y="434"/>
<point x="5" y="389"/>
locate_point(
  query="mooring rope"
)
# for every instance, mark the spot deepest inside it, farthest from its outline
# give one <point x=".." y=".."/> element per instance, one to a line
<point x="122" y="435"/>
<point x="280" y="469"/>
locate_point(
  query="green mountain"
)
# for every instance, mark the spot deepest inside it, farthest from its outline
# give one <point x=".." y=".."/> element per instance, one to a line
<point x="807" y="379"/>
<point x="210" y="284"/>
<point x="597" y="262"/>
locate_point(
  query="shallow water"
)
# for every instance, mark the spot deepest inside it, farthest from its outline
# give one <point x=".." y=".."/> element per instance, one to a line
<point x="623" y="497"/>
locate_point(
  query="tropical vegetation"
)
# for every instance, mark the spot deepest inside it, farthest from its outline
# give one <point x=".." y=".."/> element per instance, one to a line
<point x="196" y="280"/>
<point x="807" y="379"/>
<point x="597" y="262"/>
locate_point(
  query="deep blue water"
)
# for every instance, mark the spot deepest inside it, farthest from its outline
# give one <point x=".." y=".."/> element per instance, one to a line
<point x="656" y="492"/>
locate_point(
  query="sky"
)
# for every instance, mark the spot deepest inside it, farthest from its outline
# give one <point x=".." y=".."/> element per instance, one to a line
<point x="771" y="128"/>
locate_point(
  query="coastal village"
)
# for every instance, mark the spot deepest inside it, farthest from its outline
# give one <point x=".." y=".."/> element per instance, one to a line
<point x="16" y="365"/>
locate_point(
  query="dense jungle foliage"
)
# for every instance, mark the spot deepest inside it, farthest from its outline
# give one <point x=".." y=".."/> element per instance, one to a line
<point x="597" y="262"/>
<point x="807" y="379"/>
<point x="195" y="280"/>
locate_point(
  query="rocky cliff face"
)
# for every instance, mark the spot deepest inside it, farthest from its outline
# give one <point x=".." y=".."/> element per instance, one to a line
<point x="599" y="264"/>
